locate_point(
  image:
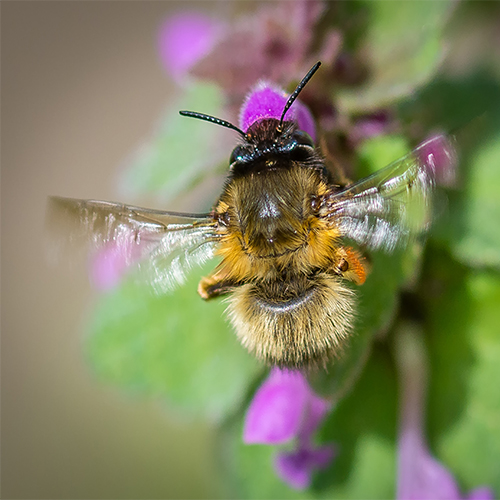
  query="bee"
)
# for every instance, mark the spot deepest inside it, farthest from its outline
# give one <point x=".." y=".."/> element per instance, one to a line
<point x="286" y="234"/>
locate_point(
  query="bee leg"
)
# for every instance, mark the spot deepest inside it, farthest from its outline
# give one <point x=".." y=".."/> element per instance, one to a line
<point x="351" y="265"/>
<point x="214" y="285"/>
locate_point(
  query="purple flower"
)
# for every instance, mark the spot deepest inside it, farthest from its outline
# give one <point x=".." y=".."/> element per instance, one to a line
<point x="420" y="475"/>
<point x="184" y="39"/>
<point x="438" y="154"/>
<point x="268" y="101"/>
<point x="296" y="467"/>
<point x="286" y="409"/>
<point x="272" y="43"/>
<point x="371" y="126"/>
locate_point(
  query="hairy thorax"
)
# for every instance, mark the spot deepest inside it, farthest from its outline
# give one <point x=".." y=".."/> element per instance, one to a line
<point x="272" y="225"/>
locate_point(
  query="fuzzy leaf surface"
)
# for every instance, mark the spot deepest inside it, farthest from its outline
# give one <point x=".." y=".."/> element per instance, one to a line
<point x="175" y="347"/>
<point x="404" y="47"/>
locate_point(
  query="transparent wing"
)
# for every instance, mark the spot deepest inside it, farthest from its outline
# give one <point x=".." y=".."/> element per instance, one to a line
<point x="393" y="205"/>
<point x="164" y="245"/>
<point x="177" y="253"/>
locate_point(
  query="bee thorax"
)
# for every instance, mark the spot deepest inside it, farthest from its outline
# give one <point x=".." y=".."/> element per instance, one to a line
<point x="271" y="211"/>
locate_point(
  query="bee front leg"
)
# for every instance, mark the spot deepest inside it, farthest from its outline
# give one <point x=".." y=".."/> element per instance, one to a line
<point x="214" y="285"/>
<point x="351" y="265"/>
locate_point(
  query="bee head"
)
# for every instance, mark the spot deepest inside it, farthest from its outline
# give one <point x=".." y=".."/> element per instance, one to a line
<point x="268" y="140"/>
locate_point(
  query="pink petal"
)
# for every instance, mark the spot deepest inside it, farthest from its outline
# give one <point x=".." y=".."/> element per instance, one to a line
<point x="264" y="101"/>
<point x="296" y="468"/>
<point x="277" y="410"/>
<point x="268" y="101"/>
<point x="317" y="410"/>
<point x="293" y="468"/>
<point x="439" y="155"/>
<point x="184" y="39"/>
<point x="481" y="493"/>
<point x="421" y="476"/>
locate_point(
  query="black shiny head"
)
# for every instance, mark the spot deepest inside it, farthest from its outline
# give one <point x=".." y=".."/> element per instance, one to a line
<point x="298" y="142"/>
<point x="266" y="146"/>
<point x="268" y="143"/>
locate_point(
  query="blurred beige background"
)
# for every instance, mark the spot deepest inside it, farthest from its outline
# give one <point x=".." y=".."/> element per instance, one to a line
<point x="81" y="86"/>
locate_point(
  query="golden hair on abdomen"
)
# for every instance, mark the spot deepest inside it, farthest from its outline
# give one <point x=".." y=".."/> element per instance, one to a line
<point x="298" y="323"/>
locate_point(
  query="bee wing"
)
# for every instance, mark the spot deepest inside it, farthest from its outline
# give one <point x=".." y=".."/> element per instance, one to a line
<point x="391" y="206"/>
<point x="177" y="253"/>
<point x="165" y="245"/>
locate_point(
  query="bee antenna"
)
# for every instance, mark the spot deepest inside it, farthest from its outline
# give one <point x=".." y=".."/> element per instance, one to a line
<point x="297" y="91"/>
<point x="213" y="119"/>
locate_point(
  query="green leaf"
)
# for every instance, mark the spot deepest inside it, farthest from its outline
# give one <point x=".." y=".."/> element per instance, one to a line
<point x="363" y="426"/>
<point x="378" y="152"/>
<point x="182" y="151"/>
<point x="478" y="242"/>
<point x="468" y="106"/>
<point x="177" y="347"/>
<point x="464" y="346"/>
<point x="403" y="46"/>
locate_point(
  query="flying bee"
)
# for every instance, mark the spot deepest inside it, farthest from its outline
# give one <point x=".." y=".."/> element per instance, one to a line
<point x="285" y="233"/>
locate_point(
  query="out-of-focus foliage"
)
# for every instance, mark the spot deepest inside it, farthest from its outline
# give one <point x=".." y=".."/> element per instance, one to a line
<point x="403" y="45"/>
<point x="170" y="162"/>
<point x="462" y="320"/>
<point x="479" y="241"/>
<point x="377" y="152"/>
<point x="176" y="347"/>
<point x="179" y="348"/>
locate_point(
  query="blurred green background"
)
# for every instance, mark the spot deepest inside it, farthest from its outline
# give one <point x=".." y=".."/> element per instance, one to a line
<point x="81" y="88"/>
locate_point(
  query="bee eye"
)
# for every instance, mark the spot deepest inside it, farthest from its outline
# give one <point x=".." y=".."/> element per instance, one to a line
<point x="302" y="138"/>
<point x="300" y="153"/>
<point x="239" y="155"/>
<point x="344" y="265"/>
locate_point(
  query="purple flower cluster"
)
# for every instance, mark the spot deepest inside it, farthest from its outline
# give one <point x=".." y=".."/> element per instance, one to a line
<point x="285" y="410"/>
<point x="277" y="41"/>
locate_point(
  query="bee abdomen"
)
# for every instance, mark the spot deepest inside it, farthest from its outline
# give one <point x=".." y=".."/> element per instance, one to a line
<point x="294" y="324"/>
